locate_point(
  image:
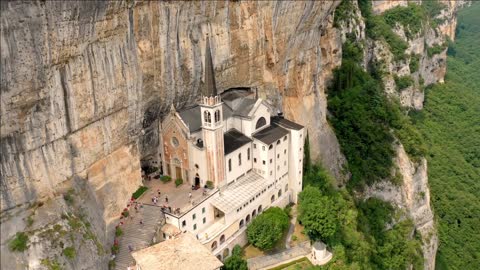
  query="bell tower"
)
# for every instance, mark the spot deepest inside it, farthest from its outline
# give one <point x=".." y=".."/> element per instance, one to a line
<point x="212" y="123"/>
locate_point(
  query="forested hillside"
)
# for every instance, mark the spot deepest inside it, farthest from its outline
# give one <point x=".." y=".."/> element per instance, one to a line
<point x="450" y="124"/>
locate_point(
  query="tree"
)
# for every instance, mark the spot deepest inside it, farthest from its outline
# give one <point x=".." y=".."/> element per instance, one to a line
<point x="307" y="161"/>
<point x="268" y="228"/>
<point x="235" y="261"/>
<point x="318" y="213"/>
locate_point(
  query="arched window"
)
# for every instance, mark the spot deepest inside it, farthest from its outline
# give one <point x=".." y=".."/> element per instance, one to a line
<point x="260" y="123"/>
<point x="217" y="116"/>
<point x="247" y="219"/>
<point x="240" y="159"/>
<point x="214" y="245"/>
<point x="229" y="164"/>
<point x="207" y="116"/>
<point x="241" y="224"/>
<point x="259" y="209"/>
<point x="286" y="187"/>
<point x="279" y="193"/>
<point x="219" y="256"/>
<point x="226" y="253"/>
<point x="222" y="239"/>
<point x="270" y="147"/>
<point x="254" y="213"/>
<point x="278" y="142"/>
<point x="273" y="198"/>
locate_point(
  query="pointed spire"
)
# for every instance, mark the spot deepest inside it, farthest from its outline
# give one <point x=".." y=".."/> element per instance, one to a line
<point x="210" y="89"/>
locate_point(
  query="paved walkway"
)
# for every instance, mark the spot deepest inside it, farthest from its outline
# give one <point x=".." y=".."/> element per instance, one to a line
<point x="137" y="235"/>
<point x="292" y="227"/>
<point x="262" y="262"/>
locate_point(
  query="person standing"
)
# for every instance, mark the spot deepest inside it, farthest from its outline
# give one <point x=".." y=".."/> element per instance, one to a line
<point x="166" y="198"/>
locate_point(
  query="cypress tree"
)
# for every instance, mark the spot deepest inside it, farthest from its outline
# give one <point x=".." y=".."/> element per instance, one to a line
<point x="307" y="162"/>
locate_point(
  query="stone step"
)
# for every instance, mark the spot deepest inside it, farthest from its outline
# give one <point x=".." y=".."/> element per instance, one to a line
<point x="137" y="235"/>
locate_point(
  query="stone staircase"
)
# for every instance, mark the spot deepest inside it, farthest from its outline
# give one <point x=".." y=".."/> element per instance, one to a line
<point x="137" y="235"/>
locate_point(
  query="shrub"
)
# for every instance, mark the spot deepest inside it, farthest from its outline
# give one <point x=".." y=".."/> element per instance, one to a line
<point x="403" y="82"/>
<point x="19" y="242"/>
<point x="125" y="213"/>
<point x="410" y="17"/>
<point x="265" y="230"/>
<point x="210" y="184"/>
<point x="378" y="29"/>
<point x="51" y="264"/>
<point x="165" y="178"/>
<point x="414" y="63"/>
<point x="139" y="192"/>
<point x="436" y="49"/>
<point x="118" y="231"/>
<point x="343" y="12"/>
<point x="288" y="210"/>
<point x="115" y="248"/>
<point x="178" y="182"/>
<point x="68" y="197"/>
<point x="69" y="252"/>
<point x="111" y="264"/>
<point x="433" y="8"/>
<point x="294" y="238"/>
<point x="235" y="261"/>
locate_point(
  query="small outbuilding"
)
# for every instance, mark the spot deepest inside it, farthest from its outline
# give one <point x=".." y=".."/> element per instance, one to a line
<point x="320" y="255"/>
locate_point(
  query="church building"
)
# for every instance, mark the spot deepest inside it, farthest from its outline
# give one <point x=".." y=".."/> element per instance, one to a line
<point x="234" y="146"/>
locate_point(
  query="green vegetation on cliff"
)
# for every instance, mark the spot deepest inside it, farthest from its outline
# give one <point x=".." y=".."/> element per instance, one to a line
<point x="450" y="123"/>
<point x="19" y="242"/>
<point x="413" y="18"/>
<point x="364" y="118"/>
<point x="356" y="231"/>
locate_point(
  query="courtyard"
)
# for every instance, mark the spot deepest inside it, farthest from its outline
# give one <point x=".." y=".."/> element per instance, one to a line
<point x="179" y="200"/>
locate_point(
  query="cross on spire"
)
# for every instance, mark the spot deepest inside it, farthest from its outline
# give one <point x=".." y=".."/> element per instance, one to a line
<point x="210" y="89"/>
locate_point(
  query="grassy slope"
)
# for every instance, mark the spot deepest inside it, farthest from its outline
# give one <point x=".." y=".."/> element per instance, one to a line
<point x="450" y="123"/>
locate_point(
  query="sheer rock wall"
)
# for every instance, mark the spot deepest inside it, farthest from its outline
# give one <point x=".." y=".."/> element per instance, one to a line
<point x="82" y="82"/>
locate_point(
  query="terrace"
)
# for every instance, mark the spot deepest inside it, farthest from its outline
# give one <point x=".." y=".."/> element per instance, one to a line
<point x="179" y="202"/>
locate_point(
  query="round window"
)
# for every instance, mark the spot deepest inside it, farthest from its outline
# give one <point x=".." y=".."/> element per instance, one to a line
<point x="175" y="141"/>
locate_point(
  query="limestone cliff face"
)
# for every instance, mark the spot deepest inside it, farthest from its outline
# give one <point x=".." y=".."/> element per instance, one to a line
<point x="413" y="195"/>
<point x="413" y="198"/>
<point x="432" y="64"/>
<point x="82" y="83"/>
